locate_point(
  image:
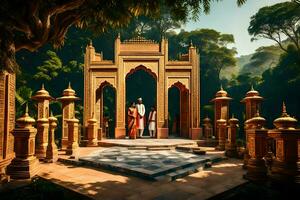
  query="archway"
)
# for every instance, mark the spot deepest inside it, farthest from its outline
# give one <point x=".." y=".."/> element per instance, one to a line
<point x="106" y="110"/>
<point x="179" y="110"/>
<point x="141" y="82"/>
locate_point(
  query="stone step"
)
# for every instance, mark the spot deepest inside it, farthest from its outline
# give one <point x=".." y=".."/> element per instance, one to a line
<point x="158" y="148"/>
<point x="178" y="174"/>
<point x="137" y="148"/>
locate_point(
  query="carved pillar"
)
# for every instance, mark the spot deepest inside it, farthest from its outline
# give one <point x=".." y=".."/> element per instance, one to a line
<point x="72" y="136"/>
<point x="221" y="102"/>
<point x="52" y="152"/>
<point x="285" y="167"/>
<point x="25" y="164"/>
<point x="257" y="148"/>
<point x="221" y="127"/>
<point x="7" y="121"/>
<point x="42" y="97"/>
<point x="230" y="147"/>
<point x="252" y="103"/>
<point x="68" y="112"/>
<point x="207" y="130"/>
<point x="92" y="132"/>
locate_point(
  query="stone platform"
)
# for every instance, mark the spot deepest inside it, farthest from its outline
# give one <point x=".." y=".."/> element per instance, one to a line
<point x="146" y="142"/>
<point x="158" y="165"/>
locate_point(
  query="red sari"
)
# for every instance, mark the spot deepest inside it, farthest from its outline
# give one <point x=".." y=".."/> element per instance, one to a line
<point x="132" y="121"/>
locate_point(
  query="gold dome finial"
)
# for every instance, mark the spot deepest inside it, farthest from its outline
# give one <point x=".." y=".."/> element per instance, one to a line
<point x="43" y="86"/>
<point x="69" y="86"/>
<point x="284" y="113"/>
<point x="252" y="88"/>
<point x="191" y="43"/>
<point x="91" y="43"/>
<point x="26" y="110"/>
<point x="221" y="87"/>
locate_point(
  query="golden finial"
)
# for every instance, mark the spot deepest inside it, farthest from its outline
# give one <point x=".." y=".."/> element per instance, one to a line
<point x="26" y="110"/>
<point x="232" y="116"/>
<point x="252" y="88"/>
<point x="91" y="43"/>
<point x="119" y="35"/>
<point x="69" y="86"/>
<point x="51" y="114"/>
<point x="43" y="86"/>
<point x="284" y="113"/>
<point x="221" y="87"/>
<point x="257" y="113"/>
<point x="191" y="43"/>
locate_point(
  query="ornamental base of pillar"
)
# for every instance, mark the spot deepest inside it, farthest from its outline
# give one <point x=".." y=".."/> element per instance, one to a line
<point x="231" y="151"/>
<point x="120" y="133"/>
<point x="99" y="134"/>
<point x="285" y="173"/>
<point x="23" y="168"/>
<point x="256" y="170"/>
<point x="162" y="133"/>
<point x="195" y="133"/>
<point x="221" y="146"/>
<point x="72" y="149"/>
<point x="92" y="143"/>
<point x="40" y="151"/>
<point x="51" y="155"/>
<point x="64" y="143"/>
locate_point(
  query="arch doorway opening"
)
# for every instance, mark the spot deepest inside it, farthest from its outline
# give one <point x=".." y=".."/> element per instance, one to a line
<point x="106" y="110"/>
<point x="141" y="82"/>
<point x="178" y="111"/>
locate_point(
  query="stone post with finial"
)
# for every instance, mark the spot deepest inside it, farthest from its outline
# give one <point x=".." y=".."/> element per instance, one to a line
<point x="252" y="102"/>
<point x="92" y="132"/>
<point x="25" y="165"/>
<point x="221" y="102"/>
<point x="72" y="136"/>
<point x="257" y="148"/>
<point x="43" y="99"/>
<point x="207" y="128"/>
<point x="230" y="146"/>
<point x="52" y="152"/>
<point x="68" y="112"/>
<point x="221" y="127"/>
<point x="285" y="166"/>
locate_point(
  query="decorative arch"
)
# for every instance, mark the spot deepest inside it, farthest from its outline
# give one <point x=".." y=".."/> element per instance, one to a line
<point x="141" y="67"/>
<point x="179" y="85"/>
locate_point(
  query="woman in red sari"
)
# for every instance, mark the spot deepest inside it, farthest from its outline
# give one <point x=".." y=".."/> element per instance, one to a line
<point x="132" y="120"/>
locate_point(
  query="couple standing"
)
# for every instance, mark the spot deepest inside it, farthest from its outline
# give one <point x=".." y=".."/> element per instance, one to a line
<point x="137" y="120"/>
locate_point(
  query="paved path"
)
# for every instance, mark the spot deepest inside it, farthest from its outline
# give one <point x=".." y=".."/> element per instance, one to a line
<point x="146" y="142"/>
<point x="101" y="184"/>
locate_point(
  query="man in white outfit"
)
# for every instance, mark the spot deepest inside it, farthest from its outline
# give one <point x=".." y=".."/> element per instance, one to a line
<point x="152" y="122"/>
<point x="141" y="117"/>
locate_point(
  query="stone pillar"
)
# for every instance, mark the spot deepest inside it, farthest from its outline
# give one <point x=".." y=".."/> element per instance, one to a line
<point x="230" y="147"/>
<point x="43" y="98"/>
<point x="92" y="132"/>
<point x="68" y="112"/>
<point x="25" y="164"/>
<point x="221" y="102"/>
<point x="7" y="121"/>
<point x="285" y="167"/>
<point x="52" y="152"/>
<point x="221" y="127"/>
<point x="207" y="130"/>
<point x="257" y="149"/>
<point x="252" y="103"/>
<point x="72" y="136"/>
<point x="42" y="138"/>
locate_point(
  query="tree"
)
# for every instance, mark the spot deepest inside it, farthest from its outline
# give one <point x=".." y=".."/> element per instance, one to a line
<point x="274" y="22"/>
<point x="31" y="24"/>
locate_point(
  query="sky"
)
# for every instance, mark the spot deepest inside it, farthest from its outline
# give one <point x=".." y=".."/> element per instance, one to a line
<point x="227" y="17"/>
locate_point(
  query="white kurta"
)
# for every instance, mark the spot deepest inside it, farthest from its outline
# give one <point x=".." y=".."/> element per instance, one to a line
<point x="141" y="111"/>
<point x="152" y="125"/>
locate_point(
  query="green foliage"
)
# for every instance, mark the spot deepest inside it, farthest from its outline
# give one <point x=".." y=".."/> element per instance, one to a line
<point x="274" y="22"/>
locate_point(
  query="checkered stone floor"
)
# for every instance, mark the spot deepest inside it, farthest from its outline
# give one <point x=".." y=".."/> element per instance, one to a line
<point x="151" y="165"/>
